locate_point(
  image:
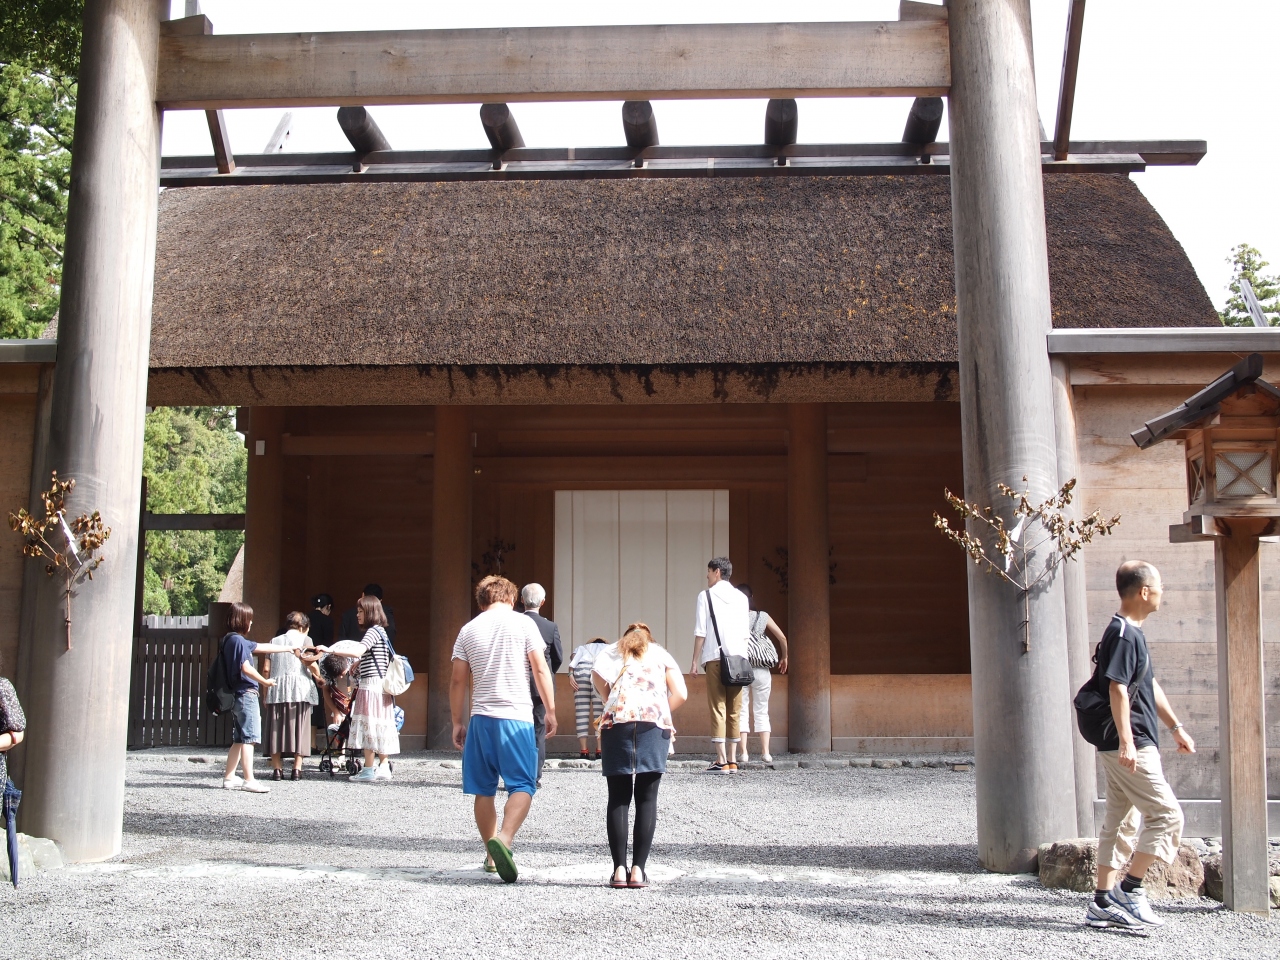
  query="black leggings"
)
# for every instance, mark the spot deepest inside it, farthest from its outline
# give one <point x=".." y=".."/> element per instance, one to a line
<point x="646" y="796"/>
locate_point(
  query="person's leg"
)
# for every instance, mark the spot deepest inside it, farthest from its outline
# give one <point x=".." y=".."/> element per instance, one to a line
<point x="297" y="760"/>
<point x="1161" y="830"/>
<point x="486" y="812"/>
<point x="582" y="712"/>
<point x="733" y="707"/>
<point x="246" y="761"/>
<point x="646" y="794"/>
<point x="717" y="704"/>
<point x="233" y="760"/>
<point x="597" y="707"/>
<point x="277" y="761"/>
<point x="369" y="757"/>
<point x="744" y="728"/>
<point x="761" y="688"/>
<point x="540" y="735"/>
<point x="619" y="804"/>
<point x="513" y="815"/>
<point x="1114" y="841"/>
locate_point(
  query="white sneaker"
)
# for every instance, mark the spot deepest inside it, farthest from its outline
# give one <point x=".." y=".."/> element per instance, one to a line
<point x="1112" y="915"/>
<point x="382" y="771"/>
<point x="1136" y="904"/>
<point x="366" y="775"/>
<point x="767" y="758"/>
<point x="232" y="782"/>
<point x="255" y="786"/>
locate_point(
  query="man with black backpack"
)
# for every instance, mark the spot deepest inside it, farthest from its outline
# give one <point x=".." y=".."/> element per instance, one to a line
<point x="1118" y="712"/>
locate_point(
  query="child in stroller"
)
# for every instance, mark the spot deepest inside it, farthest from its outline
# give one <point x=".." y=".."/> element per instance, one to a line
<point x="336" y="693"/>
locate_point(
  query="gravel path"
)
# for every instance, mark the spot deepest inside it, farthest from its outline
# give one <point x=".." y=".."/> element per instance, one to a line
<point x="849" y="863"/>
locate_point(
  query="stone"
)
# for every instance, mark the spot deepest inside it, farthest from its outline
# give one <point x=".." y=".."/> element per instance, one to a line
<point x="197" y="759"/>
<point x="45" y="853"/>
<point x="1069" y="864"/>
<point x="26" y="862"/>
<point x="785" y="764"/>
<point x="886" y="764"/>
<point x="836" y="764"/>
<point x="810" y="764"/>
<point x="860" y="762"/>
<point x="1073" y="865"/>
<point x="962" y="767"/>
<point x="917" y="764"/>
<point x="1212" y="865"/>
<point x="451" y="764"/>
<point x="1275" y="892"/>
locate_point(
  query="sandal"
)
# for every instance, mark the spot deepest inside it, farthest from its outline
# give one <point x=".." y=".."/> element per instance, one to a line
<point x="617" y="884"/>
<point x="490" y="866"/>
<point x="638" y="884"/>
<point x="503" y="862"/>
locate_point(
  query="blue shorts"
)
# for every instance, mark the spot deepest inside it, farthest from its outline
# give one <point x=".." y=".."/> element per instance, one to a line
<point x="496" y="748"/>
<point x="246" y="718"/>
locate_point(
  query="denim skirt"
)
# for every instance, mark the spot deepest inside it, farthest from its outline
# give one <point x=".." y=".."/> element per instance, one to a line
<point x="630" y="748"/>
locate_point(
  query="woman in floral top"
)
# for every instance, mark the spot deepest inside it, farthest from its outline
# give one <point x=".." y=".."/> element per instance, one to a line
<point x="12" y="725"/>
<point x="640" y="684"/>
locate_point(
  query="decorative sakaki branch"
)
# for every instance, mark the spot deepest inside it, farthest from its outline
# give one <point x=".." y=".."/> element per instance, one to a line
<point x="82" y="538"/>
<point x="1034" y="526"/>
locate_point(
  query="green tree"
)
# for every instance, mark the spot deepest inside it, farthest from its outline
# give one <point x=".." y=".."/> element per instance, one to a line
<point x="194" y="462"/>
<point x="1247" y="263"/>
<point x="39" y="62"/>
<point x="37" y="117"/>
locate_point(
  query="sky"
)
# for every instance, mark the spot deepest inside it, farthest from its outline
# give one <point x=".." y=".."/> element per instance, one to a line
<point x="1149" y="69"/>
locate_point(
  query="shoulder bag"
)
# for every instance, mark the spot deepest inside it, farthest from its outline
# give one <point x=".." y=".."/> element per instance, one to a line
<point x="735" y="671"/>
<point x="760" y="649"/>
<point x="399" y="674"/>
<point x="1093" y="708"/>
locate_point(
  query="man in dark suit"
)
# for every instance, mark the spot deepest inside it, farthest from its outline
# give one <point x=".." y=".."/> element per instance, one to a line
<point x="534" y="596"/>
<point x="351" y="629"/>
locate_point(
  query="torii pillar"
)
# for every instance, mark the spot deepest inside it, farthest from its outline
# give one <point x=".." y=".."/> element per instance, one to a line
<point x="1021" y="701"/>
<point x="77" y="701"/>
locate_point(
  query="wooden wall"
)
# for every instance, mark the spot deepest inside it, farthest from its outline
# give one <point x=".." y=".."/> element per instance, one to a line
<point x="1148" y="489"/>
<point x="898" y="603"/>
<point x="19" y="386"/>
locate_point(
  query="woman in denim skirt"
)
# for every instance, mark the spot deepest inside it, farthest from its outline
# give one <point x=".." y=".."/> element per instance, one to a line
<point x="640" y="684"/>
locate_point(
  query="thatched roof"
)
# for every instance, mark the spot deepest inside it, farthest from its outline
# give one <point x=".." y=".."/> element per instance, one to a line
<point x="670" y="271"/>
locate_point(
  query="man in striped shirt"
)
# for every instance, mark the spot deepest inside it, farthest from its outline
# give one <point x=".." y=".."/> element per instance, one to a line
<point x="492" y="659"/>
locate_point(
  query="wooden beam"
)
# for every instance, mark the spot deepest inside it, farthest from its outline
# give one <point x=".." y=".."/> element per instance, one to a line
<point x="1241" y="733"/>
<point x="912" y="10"/>
<point x="500" y="127"/>
<point x="193" y="521"/>
<point x="359" y="445"/>
<point x="781" y="122"/>
<point x="674" y="62"/>
<point x="223" y="158"/>
<point x="1067" y="86"/>
<point x="361" y="131"/>
<point x="1166" y="340"/>
<point x="639" y="125"/>
<point x="924" y="121"/>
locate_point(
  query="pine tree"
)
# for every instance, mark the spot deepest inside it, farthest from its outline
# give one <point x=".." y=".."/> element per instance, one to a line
<point x="1247" y="264"/>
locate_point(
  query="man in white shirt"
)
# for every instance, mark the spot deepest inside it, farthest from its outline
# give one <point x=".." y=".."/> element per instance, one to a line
<point x="729" y="629"/>
<point x="492" y="659"/>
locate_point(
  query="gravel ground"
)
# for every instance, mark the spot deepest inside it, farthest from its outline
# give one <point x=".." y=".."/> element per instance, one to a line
<point x="849" y="862"/>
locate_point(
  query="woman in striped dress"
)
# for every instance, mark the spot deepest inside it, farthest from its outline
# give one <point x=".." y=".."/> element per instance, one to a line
<point x="584" y="692"/>
<point x="373" y="724"/>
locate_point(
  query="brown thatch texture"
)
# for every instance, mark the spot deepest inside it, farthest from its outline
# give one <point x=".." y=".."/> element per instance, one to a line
<point x="679" y="271"/>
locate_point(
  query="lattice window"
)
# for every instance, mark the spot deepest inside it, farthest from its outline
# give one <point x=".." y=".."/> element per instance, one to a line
<point x="1195" y="479"/>
<point x="1244" y="473"/>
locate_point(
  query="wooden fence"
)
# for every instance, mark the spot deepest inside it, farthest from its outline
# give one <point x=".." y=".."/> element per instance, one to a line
<point x="171" y="658"/>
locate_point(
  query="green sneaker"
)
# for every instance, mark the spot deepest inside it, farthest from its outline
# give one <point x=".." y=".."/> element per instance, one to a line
<point x="503" y="862"/>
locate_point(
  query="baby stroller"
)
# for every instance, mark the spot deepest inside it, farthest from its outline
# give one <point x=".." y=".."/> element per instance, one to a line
<point x="337" y="755"/>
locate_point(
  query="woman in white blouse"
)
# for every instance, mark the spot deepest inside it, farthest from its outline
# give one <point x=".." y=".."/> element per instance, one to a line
<point x="640" y="684"/>
<point x="290" y="699"/>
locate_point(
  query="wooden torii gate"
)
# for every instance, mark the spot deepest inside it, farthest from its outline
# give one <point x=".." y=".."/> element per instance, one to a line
<point x="977" y="53"/>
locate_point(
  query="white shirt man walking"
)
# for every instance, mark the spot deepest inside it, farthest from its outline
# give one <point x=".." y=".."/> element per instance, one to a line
<point x="728" y="630"/>
<point x="492" y="659"/>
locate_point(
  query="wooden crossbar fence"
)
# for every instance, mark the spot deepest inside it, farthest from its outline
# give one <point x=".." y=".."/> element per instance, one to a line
<point x="171" y="658"/>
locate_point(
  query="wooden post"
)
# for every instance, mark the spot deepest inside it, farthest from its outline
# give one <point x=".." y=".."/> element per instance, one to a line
<point x="808" y="583"/>
<point x="1021" y="703"/>
<point x="264" y="521"/>
<point x="1079" y="645"/>
<point x="77" y="700"/>
<point x="450" y="563"/>
<point x="1241" y="732"/>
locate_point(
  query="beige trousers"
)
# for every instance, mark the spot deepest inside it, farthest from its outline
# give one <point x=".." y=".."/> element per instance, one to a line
<point x="725" y="703"/>
<point x="1138" y="797"/>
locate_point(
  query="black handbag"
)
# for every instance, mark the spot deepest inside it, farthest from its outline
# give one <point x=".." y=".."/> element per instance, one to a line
<point x="735" y="671"/>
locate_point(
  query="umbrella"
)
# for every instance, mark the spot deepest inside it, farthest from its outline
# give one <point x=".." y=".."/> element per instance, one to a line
<point x="12" y="797"/>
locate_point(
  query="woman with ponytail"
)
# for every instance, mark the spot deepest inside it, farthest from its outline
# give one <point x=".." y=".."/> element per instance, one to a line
<point x="640" y="684"/>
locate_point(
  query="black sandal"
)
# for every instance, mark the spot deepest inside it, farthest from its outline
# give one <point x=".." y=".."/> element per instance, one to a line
<point x="638" y="884"/>
<point x="617" y="884"/>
